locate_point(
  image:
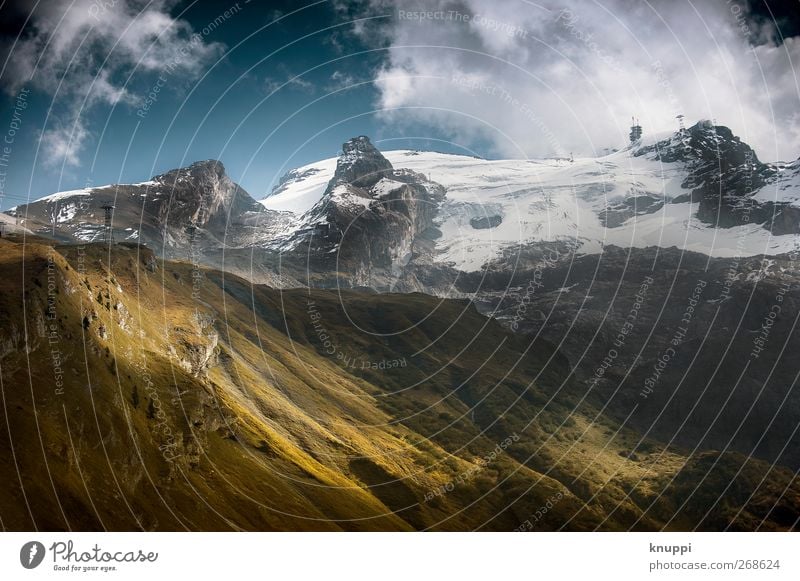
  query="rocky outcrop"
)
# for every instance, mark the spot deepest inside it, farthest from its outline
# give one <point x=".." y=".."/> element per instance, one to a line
<point x="723" y="174"/>
<point x="201" y="194"/>
<point x="485" y="222"/>
<point x="181" y="213"/>
<point x="372" y="221"/>
<point x="361" y="164"/>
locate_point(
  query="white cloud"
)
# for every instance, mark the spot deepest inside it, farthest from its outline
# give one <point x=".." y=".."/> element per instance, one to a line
<point x="536" y="81"/>
<point x="88" y="53"/>
<point x="272" y="84"/>
<point x="63" y="143"/>
<point x="341" y="80"/>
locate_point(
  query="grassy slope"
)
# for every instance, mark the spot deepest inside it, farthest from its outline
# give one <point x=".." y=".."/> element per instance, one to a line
<point x="262" y="429"/>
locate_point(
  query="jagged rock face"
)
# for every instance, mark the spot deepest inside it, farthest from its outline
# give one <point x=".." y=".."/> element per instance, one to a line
<point x="201" y="194"/>
<point x="372" y="219"/>
<point x="159" y="212"/>
<point x="361" y="164"/>
<point x="705" y="146"/>
<point x="723" y="173"/>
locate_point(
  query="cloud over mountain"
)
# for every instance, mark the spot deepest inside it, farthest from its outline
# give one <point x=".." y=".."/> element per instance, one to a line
<point x="540" y="80"/>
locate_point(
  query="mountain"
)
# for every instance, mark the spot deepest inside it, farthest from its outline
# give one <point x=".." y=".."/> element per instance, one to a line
<point x="694" y="351"/>
<point x="159" y="212"/>
<point x="411" y="340"/>
<point x="371" y="219"/>
<point x="702" y="190"/>
<point x="731" y="186"/>
<point x="412" y="221"/>
<point x="142" y="393"/>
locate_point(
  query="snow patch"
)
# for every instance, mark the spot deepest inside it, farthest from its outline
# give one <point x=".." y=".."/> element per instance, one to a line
<point x="300" y="195"/>
<point x="342" y="195"/>
<point x="57" y="197"/>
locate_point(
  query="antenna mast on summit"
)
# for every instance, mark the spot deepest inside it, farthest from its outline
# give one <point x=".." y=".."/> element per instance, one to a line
<point x="636" y="130"/>
<point x="108" y="236"/>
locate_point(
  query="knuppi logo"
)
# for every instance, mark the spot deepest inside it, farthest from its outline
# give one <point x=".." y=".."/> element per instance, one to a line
<point x="31" y="554"/>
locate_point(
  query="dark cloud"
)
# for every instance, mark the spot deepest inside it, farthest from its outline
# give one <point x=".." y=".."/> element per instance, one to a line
<point x="781" y="18"/>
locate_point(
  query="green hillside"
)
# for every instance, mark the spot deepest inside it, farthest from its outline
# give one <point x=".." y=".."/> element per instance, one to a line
<point x="141" y="394"/>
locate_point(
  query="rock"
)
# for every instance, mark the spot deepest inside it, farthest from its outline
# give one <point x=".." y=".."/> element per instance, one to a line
<point x="150" y="263"/>
<point x="371" y="222"/>
<point x="361" y="164"/>
<point x="723" y="173"/>
<point x="486" y="222"/>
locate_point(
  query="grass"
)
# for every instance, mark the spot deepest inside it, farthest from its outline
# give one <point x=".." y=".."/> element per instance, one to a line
<point x="218" y="406"/>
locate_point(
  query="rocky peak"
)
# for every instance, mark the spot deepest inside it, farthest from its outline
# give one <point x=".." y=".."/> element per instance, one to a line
<point x="373" y="220"/>
<point x="710" y="141"/>
<point x="723" y="172"/>
<point x="202" y="193"/>
<point x="361" y="164"/>
<point x="702" y="145"/>
<point x="206" y="172"/>
<point x="715" y="158"/>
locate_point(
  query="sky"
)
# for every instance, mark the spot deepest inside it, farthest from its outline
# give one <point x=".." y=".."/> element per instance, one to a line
<point x="116" y="91"/>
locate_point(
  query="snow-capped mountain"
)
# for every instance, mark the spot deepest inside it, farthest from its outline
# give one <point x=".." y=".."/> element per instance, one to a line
<point x="369" y="218"/>
<point x="701" y="190"/>
<point x="199" y="202"/>
<point x="411" y="220"/>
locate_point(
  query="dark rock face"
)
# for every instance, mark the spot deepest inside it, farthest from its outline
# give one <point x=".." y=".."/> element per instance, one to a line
<point x="724" y="173"/>
<point x="371" y="222"/>
<point x="361" y="164"/>
<point x="707" y="147"/>
<point x="486" y="222"/>
<point x="201" y="194"/>
<point x="782" y="218"/>
<point x="699" y="351"/>
<point x="197" y="205"/>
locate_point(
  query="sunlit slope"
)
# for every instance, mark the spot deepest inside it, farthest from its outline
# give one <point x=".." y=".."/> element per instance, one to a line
<point x="146" y="395"/>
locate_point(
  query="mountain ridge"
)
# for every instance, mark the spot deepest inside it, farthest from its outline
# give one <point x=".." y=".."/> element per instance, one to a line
<point x="409" y="220"/>
<point x="635" y="197"/>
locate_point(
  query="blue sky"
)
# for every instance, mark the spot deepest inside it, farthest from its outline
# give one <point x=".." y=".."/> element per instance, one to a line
<point x="267" y="86"/>
<point x="242" y="104"/>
